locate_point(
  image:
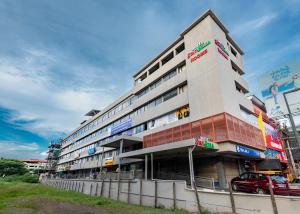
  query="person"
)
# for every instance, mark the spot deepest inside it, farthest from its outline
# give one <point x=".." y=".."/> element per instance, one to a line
<point x="274" y="92"/>
<point x="296" y="81"/>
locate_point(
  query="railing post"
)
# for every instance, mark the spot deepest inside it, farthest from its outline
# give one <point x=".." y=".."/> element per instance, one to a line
<point x="96" y="191"/>
<point x="197" y="196"/>
<point x="174" y="195"/>
<point x="231" y="198"/>
<point x="273" y="199"/>
<point x="109" y="187"/>
<point x="91" y="188"/>
<point x="82" y="186"/>
<point x="101" y="190"/>
<point x="118" y="196"/>
<point x="128" y="193"/>
<point x="155" y="193"/>
<point x="141" y="191"/>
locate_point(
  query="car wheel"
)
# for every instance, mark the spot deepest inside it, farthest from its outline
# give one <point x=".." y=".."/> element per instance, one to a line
<point x="260" y="191"/>
<point x="234" y="187"/>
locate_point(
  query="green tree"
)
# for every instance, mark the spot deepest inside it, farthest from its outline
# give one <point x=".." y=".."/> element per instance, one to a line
<point x="12" y="167"/>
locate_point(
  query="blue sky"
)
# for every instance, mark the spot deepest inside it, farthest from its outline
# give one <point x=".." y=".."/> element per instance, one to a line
<point x="59" y="59"/>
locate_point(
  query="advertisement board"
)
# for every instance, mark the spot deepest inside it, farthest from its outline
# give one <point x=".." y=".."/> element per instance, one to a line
<point x="247" y="151"/>
<point x="121" y="127"/>
<point x="274" y="83"/>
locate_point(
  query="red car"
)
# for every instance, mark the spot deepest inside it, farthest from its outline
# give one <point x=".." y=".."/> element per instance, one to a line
<point x="258" y="183"/>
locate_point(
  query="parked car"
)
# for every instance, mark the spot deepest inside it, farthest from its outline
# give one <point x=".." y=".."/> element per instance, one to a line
<point x="295" y="187"/>
<point x="255" y="182"/>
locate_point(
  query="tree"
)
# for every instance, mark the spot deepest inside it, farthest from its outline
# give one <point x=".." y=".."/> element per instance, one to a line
<point x="12" y="167"/>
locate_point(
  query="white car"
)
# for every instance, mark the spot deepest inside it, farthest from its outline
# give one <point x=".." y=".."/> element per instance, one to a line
<point x="295" y="184"/>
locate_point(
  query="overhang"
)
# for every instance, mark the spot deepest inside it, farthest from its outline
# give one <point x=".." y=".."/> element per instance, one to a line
<point x="127" y="141"/>
<point x="169" y="148"/>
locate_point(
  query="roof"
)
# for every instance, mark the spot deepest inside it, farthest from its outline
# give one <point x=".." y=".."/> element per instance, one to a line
<point x="34" y="161"/>
<point x="201" y="18"/>
<point x="92" y="112"/>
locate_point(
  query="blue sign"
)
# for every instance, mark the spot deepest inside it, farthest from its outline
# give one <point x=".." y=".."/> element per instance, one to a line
<point x="121" y="127"/>
<point x="247" y="151"/>
<point x="91" y="151"/>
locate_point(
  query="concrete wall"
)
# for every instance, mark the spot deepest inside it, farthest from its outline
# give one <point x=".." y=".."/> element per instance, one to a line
<point x="170" y="194"/>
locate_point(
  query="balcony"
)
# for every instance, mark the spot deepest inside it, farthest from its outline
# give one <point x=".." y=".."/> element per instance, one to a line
<point x="219" y="128"/>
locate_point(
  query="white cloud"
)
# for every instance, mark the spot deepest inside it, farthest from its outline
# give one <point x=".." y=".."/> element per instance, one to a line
<point x="17" y="150"/>
<point x="29" y="87"/>
<point x="253" y="24"/>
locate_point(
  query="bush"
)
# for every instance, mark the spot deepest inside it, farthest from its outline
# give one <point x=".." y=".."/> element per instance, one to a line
<point x="27" y="178"/>
<point x="12" y="167"/>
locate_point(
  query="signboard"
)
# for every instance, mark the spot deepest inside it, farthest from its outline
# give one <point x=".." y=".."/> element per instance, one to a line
<point x="247" y="151"/>
<point x="205" y="143"/>
<point x="198" y="51"/>
<point x="273" y="140"/>
<point x="121" y="127"/>
<point x="108" y="163"/>
<point x="91" y="151"/>
<point x="272" y="85"/>
<point x="221" y="49"/>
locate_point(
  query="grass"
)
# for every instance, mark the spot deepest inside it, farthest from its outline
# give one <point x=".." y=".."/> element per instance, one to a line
<point x="14" y="195"/>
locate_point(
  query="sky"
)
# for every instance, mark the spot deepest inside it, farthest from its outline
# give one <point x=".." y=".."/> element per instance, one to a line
<point x="61" y="58"/>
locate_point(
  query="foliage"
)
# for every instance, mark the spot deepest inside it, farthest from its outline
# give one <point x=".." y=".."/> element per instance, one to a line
<point x="27" y="178"/>
<point x="12" y="167"/>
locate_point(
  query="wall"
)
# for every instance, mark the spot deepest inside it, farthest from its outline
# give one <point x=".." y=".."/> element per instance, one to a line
<point x="180" y="197"/>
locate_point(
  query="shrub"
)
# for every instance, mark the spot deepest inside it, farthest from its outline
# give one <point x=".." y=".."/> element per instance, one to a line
<point x="27" y="178"/>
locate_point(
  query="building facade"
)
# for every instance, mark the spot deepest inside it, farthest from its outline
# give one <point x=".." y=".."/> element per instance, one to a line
<point x="189" y="99"/>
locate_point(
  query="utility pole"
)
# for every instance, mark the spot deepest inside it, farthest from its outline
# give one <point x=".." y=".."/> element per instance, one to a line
<point x="293" y="128"/>
<point x="291" y="116"/>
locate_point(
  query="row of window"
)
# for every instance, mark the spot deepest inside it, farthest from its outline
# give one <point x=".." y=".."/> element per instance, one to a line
<point x="106" y="130"/>
<point x="166" y="77"/>
<point x="161" y="121"/>
<point x="122" y="105"/>
<point x="155" y="67"/>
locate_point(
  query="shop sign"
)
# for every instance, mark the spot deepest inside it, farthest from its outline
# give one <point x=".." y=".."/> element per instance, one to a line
<point x="198" y="51"/>
<point x="247" y="151"/>
<point x="91" y="151"/>
<point x="121" y="127"/>
<point x="204" y="143"/>
<point x="108" y="161"/>
<point x="221" y="49"/>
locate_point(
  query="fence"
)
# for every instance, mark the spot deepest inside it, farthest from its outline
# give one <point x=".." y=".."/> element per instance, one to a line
<point x="175" y="194"/>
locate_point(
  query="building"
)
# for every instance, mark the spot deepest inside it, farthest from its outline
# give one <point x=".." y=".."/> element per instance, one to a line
<point x="52" y="157"/>
<point x="33" y="164"/>
<point x="182" y="119"/>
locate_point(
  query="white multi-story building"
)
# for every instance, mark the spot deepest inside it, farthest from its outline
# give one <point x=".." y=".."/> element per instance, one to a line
<point x="192" y="93"/>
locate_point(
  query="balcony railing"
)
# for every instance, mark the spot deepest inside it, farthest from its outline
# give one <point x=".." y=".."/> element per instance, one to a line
<point x="219" y="128"/>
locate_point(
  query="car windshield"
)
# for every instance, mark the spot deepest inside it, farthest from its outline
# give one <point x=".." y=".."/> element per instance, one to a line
<point x="278" y="178"/>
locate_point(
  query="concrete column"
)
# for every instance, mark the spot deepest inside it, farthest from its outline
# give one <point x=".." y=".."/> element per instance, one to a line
<point x="221" y="173"/>
<point x="146" y="167"/>
<point x="152" y="167"/>
<point x="101" y="164"/>
<point x="120" y="152"/>
<point x="191" y="164"/>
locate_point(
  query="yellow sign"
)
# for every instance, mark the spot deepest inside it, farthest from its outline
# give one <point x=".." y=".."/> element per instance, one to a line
<point x="183" y="112"/>
<point x="261" y="126"/>
<point x="108" y="163"/>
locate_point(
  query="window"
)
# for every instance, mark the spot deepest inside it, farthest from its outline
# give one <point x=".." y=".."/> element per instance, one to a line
<point x="169" y="95"/>
<point x="167" y="58"/>
<point x="180" y="48"/>
<point x="240" y="88"/>
<point x="233" y="51"/>
<point x="181" y="68"/>
<point x="244" y="176"/>
<point x="236" y="68"/>
<point x="153" y="69"/>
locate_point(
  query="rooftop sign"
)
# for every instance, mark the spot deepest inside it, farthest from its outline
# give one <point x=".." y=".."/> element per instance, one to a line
<point x="194" y="54"/>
